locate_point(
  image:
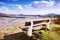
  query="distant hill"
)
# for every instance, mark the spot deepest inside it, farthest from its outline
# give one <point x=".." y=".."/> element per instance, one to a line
<point x="5" y="15"/>
<point x="2" y="15"/>
<point x="52" y="15"/>
<point x="29" y="16"/>
<point x="19" y="15"/>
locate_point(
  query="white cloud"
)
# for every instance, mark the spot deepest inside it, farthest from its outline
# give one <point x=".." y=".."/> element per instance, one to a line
<point x="58" y="4"/>
<point x="4" y="10"/>
<point x="35" y="8"/>
<point x="40" y="7"/>
<point x="51" y="3"/>
<point x="2" y="3"/>
<point x="41" y="3"/>
<point x="14" y="0"/>
<point x="19" y="6"/>
<point x="43" y="7"/>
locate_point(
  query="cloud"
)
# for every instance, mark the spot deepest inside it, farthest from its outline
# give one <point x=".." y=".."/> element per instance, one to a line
<point x="15" y="0"/>
<point x="19" y="6"/>
<point x="51" y="3"/>
<point x="41" y="3"/>
<point x="34" y="8"/>
<point x="3" y="10"/>
<point x="58" y="4"/>
<point x="7" y="11"/>
<point x="2" y="3"/>
<point x="12" y="0"/>
<point x="40" y="7"/>
<point x="43" y="7"/>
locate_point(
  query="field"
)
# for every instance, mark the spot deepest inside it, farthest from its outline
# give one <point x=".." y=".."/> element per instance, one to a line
<point x="15" y="33"/>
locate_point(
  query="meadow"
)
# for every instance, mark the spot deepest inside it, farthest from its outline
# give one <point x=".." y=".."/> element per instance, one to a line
<point x="42" y="34"/>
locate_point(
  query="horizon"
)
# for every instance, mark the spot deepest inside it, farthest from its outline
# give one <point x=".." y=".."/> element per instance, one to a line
<point x="30" y="7"/>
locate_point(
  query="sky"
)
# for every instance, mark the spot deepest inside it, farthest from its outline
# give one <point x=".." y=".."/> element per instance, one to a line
<point x="30" y="7"/>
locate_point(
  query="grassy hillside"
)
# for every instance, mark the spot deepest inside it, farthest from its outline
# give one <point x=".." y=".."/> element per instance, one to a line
<point x="43" y="34"/>
<point x="47" y="35"/>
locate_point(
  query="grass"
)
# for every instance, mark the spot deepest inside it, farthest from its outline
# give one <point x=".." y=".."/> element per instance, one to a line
<point x="44" y="34"/>
<point x="11" y="29"/>
<point x="48" y="35"/>
<point x="53" y="34"/>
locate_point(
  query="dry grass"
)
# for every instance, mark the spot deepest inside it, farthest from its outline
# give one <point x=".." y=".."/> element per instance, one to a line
<point x="53" y="34"/>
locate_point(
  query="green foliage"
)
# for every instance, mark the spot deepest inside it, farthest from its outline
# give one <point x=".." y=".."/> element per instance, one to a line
<point x="11" y="29"/>
<point x="48" y="35"/>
